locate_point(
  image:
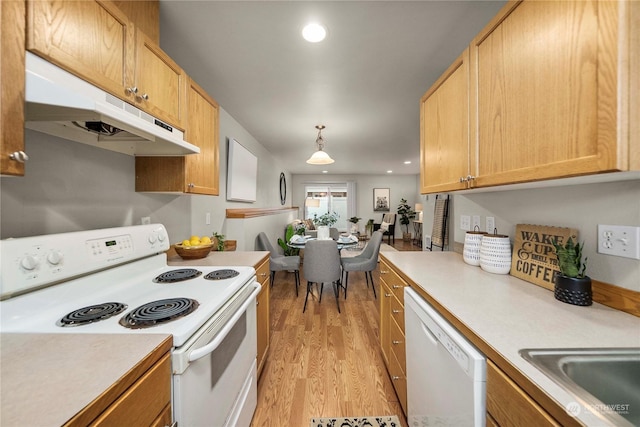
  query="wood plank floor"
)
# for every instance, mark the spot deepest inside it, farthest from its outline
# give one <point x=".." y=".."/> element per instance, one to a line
<point x="321" y="363"/>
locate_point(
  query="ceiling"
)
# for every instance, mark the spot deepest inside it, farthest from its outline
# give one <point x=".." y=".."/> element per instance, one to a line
<point x="363" y="82"/>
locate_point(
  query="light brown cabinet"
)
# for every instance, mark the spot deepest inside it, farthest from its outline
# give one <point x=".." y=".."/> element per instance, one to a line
<point x="509" y="405"/>
<point x="551" y="95"/>
<point x="445" y="155"/>
<point x="392" y="334"/>
<point x="196" y="173"/>
<point x="262" y="313"/>
<point x="98" y="42"/>
<point x="12" y="43"/>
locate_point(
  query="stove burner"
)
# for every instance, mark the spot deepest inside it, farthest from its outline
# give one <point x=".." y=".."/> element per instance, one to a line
<point x="156" y="312"/>
<point x="92" y="313"/>
<point x="221" y="274"/>
<point x="177" y="275"/>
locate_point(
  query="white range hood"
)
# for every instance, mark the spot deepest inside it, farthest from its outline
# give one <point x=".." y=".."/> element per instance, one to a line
<point x="61" y="104"/>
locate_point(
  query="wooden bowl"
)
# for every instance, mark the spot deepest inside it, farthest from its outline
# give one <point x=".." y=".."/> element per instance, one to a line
<point x="193" y="252"/>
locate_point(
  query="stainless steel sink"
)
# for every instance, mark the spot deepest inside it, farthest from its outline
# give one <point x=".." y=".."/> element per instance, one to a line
<point x="604" y="380"/>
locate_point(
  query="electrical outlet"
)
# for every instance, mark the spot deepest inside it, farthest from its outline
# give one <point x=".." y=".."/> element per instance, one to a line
<point x="475" y="222"/>
<point x="619" y="240"/>
<point x="465" y="222"/>
<point x="490" y="223"/>
<point x="207" y="218"/>
<point x="145" y="220"/>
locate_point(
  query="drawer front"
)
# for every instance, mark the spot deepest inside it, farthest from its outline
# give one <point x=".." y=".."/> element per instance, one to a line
<point x="509" y="405"/>
<point x="399" y="381"/>
<point x="398" y="345"/>
<point x="397" y="312"/>
<point x="262" y="272"/>
<point x="144" y="401"/>
<point x="395" y="283"/>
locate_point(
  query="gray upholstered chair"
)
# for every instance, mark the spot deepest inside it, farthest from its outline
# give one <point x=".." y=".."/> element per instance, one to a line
<point x="322" y="265"/>
<point x="279" y="262"/>
<point x="366" y="261"/>
<point x="334" y="233"/>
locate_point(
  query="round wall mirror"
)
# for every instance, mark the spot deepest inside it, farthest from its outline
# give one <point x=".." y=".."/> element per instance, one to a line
<point x="283" y="188"/>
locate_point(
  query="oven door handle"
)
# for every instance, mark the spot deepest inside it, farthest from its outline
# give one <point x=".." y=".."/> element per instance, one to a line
<point x="203" y="351"/>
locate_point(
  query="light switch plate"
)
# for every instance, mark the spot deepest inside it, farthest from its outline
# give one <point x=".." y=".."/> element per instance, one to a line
<point x="465" y="222"/>
<point x="491" y="224"/>
<point x="475" y="222"/>
<point x="619" y="240"/>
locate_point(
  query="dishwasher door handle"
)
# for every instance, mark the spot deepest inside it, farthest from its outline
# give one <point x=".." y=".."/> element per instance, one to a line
<point x="429" y="334"/>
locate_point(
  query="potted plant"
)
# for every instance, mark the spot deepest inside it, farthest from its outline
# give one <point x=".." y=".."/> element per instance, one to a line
<point x="290" y="231"/>
<point x="354" y="220"/>
<point x="406" y="214"/>
<point x="323" y="222"/>
<point x="571" y="285"/>
<point x="368" y="228"/>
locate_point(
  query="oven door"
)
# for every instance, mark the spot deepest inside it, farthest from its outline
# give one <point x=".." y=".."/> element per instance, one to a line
<point x="214" y="373"/>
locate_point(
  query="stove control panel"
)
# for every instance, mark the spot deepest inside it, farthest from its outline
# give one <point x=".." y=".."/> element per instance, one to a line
<point x="32" y="262"/>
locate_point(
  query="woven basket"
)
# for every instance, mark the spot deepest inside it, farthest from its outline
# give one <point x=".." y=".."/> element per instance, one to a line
<point x="193" y="252"/>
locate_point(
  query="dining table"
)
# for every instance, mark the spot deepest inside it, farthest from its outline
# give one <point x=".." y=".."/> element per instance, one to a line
<point x="342" y="242"/>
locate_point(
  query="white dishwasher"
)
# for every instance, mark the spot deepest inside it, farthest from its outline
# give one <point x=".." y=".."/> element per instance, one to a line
<point x="446" y="374"/>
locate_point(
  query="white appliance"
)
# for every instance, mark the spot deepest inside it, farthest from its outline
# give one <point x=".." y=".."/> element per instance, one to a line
<point x="115" y="281"/>
<point x="446" y="375"/>
<point x="61" y="104"/>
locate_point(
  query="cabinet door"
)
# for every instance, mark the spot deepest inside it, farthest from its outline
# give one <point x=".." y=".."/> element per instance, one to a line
<point x="545" y="81"/>
<point x="202" y="131"/>
<point x="12" y="22"/>
<point x="91" y="39"/>
<point x="262" y="313"/>
<point x="385" y="316"/>
<point x="161" y="84"/>
<point x="444" y="130"/>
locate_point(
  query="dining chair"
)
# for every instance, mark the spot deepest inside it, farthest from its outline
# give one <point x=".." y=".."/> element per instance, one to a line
<point x="334" y="233"/>
<point x="279" y="262"/>
<point x="322" y="265"/>
<point x="366" y="261"/>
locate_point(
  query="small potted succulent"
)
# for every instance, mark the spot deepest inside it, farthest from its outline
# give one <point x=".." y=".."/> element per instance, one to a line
<point x="571" y="284"/>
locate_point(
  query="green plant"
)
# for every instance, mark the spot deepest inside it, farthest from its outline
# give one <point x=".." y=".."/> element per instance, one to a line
<point x="327" y="219"/>
<point x="354" y="219"/>
<point x="220" y="239"/>
<point x="570" y="258"/>
<point x="288" y="234"/>
<point x="369" y="226"/>
<point x="406" y="214"/>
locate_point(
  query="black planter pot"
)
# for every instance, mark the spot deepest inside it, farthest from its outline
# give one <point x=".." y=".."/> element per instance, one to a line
<point x="573" y="290"/>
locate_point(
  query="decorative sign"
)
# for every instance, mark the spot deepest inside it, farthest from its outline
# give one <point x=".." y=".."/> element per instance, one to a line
<point x="534" y="258"/>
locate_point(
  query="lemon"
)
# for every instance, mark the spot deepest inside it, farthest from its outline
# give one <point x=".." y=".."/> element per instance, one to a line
<point x="194" y="237"/>
<point x="205" y="240"/>
<point x="186" y="243"/>
<point x="195" y="242"/>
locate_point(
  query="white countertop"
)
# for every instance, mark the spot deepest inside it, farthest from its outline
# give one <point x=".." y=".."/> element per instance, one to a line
<point x="510" y="314"/>
<point x="48" y="378"/>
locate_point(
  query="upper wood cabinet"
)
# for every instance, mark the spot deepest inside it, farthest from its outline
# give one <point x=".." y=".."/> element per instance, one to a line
<point x="195" y="173"/>
<point x="445" y="157"/>
<point x="551" y="91"/>
<point x="145" y="15"/>
<point x="92" y="39"/>
<point x="12" y="150"/>
<point x="96" y="41"/>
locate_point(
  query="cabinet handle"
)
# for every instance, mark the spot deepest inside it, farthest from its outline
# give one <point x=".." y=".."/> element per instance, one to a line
<point x="257" y="303"/>
<point x="395" y="342"/>
<point x="132" y="90"/>
<point x="396" y="311"/>
<point x="145" y="96"/>
<point x="396" y="286"/>
<point x="387" y="295"/>
<point x="19" y="156"/>
<point x="395" y="378"/>
<point x="463" y="179"/>
<point x="191" y="185"/>
<point x="384" y="271"/>
<point x="263" y="274"/>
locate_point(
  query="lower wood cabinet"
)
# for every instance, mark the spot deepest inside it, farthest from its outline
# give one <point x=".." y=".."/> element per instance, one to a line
<point x="509" y="405"/>
<point x="392" y="335"/>
<point x="262" y="313"/>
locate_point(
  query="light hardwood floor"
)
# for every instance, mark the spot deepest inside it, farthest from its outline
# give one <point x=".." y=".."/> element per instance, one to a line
<point x="321" y="363"/>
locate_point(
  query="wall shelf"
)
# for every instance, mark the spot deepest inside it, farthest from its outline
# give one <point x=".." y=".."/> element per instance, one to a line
<point x="258" y="212"/>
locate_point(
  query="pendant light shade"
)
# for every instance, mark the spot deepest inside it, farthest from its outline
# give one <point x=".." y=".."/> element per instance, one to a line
<point x="320" y="157"/>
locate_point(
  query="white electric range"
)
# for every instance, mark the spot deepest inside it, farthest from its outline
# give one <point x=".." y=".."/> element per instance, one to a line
<point x="116" y="280"/>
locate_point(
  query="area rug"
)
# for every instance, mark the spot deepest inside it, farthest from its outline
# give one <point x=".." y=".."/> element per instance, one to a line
<point x="384" y="421"/>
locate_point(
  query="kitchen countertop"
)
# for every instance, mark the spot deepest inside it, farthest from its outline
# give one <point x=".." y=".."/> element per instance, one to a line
<point x="510" y="314"/>
<point x="48" y="378"/>
<point x="223" y="259"/>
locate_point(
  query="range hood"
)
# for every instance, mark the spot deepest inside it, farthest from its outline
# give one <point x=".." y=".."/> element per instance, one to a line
<point x="61" y="104"/>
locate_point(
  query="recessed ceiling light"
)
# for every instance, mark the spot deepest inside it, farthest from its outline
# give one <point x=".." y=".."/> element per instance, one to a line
<point x="389" y="171"/>
<point x="325" y="171"/>
<point x="314" y="32"/>
<point x="407" y="162"/>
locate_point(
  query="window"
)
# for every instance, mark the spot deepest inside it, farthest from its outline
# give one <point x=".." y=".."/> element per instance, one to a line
<point x="334" y="197"/>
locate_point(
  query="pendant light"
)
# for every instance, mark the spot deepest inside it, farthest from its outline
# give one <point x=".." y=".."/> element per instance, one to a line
<point x="320" y="157"/>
